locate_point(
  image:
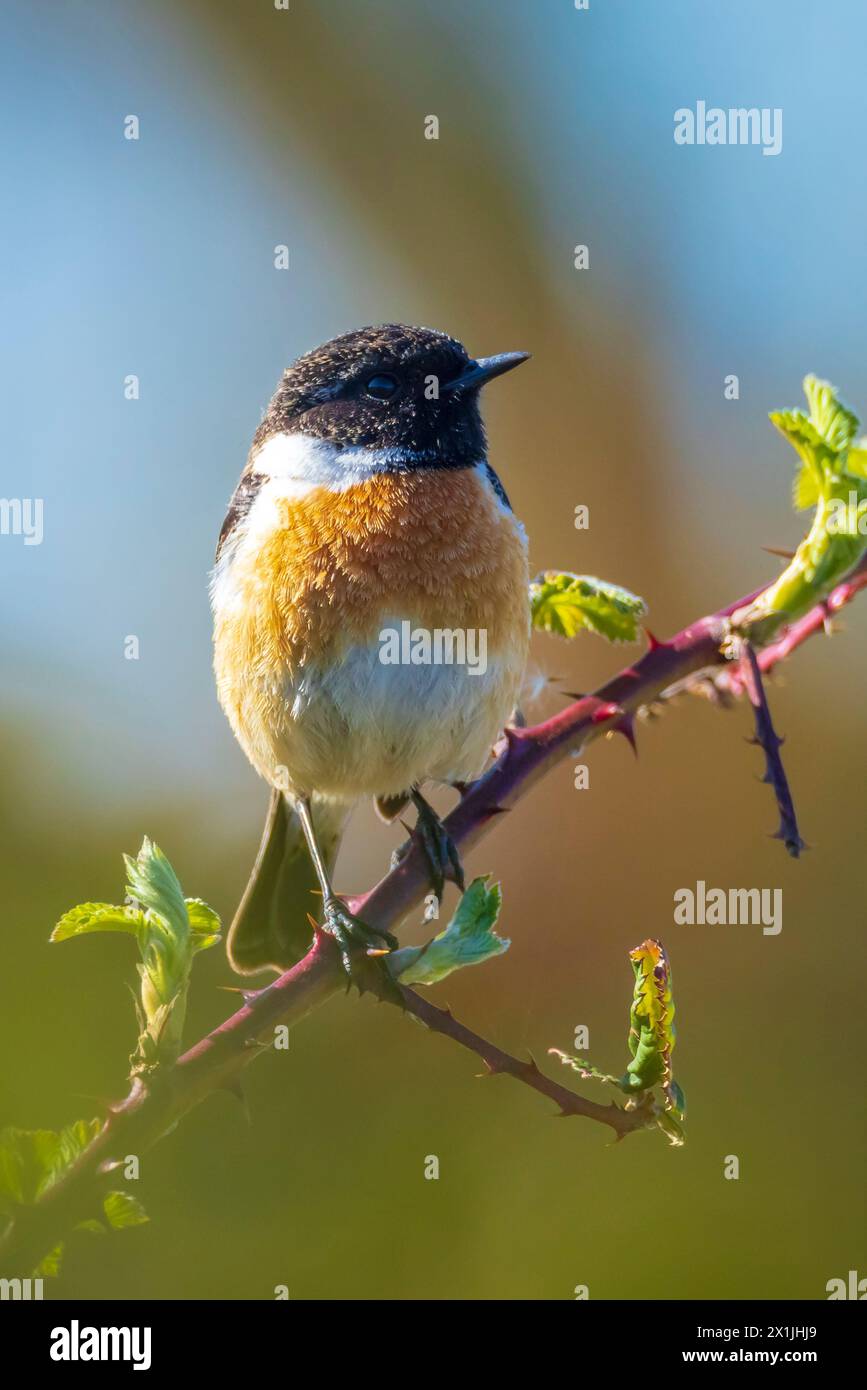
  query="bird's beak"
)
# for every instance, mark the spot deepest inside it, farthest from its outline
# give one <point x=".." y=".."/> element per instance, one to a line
<point x="484" y="369"/>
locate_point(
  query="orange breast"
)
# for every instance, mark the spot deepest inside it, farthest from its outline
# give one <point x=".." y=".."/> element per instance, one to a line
<point x="431" y="545"/>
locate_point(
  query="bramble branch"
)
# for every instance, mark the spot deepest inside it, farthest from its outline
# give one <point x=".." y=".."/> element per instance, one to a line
<point x="156" y="1103"/>
<point x="497" y="1062"/>
<point x="767" y="738"/>
<point x="818" y="619"/>
<point x="721" y="654"/>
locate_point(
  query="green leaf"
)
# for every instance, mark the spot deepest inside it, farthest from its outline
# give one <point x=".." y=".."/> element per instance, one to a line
<point x="49" y="1265"/>
<point x="651" y="1028"/>
<point x="94" y="917"/>
<point x="73" y="1140"/>
<point x="152" y="881"/>
<point x="122" y="1210"/>
<point x="204" y="922"/>
<point x="806" y="489"/>
<point x="170" y="930"/>
<point x="651" y="1019"/>
<point x="26" y="1156"/>
<point x="176" y="929"/>
<point x="565" y="604"/>
<point x="832" y="478"/>
<point x="31" y="1160"/>
<point x="818" y="457"/>
<point x="647" y="1081"/>
<point x="836" y="425"/>
<point x="821" y="439"/>
<point x="468" y="939"/>
<point x="856" y="461"/>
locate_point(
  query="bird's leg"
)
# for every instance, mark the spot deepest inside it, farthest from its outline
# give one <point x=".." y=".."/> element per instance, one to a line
<point x="350" y="933"/>
<point x="439" y="848"/>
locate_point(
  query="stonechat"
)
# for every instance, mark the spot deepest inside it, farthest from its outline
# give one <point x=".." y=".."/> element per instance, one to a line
<point x="367" y="508"/>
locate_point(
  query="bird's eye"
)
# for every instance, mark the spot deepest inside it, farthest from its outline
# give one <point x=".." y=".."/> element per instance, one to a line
<point x="382" y="386"/>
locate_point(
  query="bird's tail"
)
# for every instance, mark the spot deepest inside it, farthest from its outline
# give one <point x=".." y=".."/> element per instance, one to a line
<point x="270" y="928"/>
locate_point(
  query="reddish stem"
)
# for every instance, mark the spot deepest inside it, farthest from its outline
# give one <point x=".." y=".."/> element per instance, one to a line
<point x="216" y="1061"/>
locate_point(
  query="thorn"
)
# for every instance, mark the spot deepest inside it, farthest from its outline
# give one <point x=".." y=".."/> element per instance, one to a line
<point x="318" y="934"/>
<point x="461" y="788"/>
<point x="783" y="554"/>
<point x="532" y="1064"/>
<point x="794" y="846"/>
<point x="653" y="642"/>
<point x="513" y="737"/>
<point x="770" y="742"/>
<point x="626" y="727"/>
<point x="631" y="673"/>
<point x="248" y="995"/>
<point x="496" y="810"/>
<point x="573" y="695"/>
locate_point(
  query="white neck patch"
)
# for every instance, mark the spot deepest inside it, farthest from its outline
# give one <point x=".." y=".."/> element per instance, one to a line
<point x="294" y="465"/>
<point x="298" y="462"/>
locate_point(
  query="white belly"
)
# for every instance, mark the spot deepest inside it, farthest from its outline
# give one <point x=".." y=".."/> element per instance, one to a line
<point x="365" y="728"/>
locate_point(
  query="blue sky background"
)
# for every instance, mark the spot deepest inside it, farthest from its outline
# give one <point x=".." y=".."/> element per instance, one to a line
<point x="154" y="257"/>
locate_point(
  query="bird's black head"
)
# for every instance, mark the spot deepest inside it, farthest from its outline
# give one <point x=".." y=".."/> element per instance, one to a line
<point x="411" y="391"/>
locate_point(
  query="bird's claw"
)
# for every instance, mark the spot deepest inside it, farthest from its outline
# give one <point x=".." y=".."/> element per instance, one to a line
<point x="353" y="936"/>
<point x="439" y="848"/>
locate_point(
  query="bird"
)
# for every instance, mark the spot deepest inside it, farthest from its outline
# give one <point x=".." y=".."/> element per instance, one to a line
<point x="367" y="508"/>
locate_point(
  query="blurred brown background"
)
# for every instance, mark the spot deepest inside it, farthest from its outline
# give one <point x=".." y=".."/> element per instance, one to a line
<point x="260" y="127"/>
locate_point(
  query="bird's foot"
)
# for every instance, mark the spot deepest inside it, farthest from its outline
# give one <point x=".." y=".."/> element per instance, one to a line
<point x="354" y="937"/>
<point x="438" y="846"/>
